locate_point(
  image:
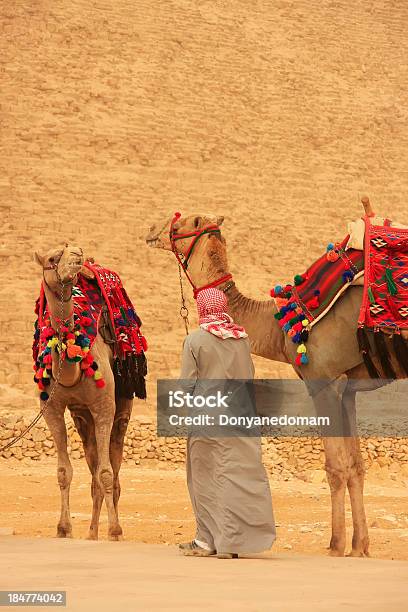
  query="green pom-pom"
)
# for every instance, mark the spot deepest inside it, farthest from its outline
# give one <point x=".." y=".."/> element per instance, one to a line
<point x="278" y="316"/>
<point x="298" y="279"/>
<point x="293" y="320"/>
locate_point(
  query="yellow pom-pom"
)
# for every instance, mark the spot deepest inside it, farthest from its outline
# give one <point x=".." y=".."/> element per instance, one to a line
<point x="77" y="333"/>
<point x="305" y="322"/>
<point x="301" y="348"/>
<point x="97" y="375"/>
<point x="71" y="341"/>
<point x="85" y="349"/>
<point x="53" y="342"/>
<point x="45" y="374"/>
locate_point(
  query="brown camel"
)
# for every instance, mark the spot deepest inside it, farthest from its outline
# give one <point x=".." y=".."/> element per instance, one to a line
<point x="100" y="420"/>
<point x="335" y="358"/>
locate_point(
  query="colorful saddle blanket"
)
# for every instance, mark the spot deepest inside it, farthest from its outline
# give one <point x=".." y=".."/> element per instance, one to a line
<point x="385" y="299"/>
<point x="313" y="294"/>
<point x="103" y="296"/>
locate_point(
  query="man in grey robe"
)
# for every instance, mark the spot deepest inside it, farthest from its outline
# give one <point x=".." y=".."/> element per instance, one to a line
<point x="227" y="482"/>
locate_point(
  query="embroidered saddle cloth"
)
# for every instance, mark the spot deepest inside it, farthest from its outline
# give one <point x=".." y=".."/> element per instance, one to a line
<point x="94" y="298"/>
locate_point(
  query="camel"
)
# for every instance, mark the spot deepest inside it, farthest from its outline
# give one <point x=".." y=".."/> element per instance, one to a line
<point x="335" y="358"/>
<point x="100" y="418"/>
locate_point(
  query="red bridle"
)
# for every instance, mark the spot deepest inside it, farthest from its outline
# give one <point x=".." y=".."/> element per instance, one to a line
<point x="183" y="258"/>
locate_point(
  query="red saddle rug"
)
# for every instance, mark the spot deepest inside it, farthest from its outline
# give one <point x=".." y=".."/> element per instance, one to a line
<point x="91" y="299"/>
<point x="313" y="294"/>
<point x="385" y="299"/>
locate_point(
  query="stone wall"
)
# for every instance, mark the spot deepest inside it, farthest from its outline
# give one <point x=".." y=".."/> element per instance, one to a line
<point x="284" y="457"/>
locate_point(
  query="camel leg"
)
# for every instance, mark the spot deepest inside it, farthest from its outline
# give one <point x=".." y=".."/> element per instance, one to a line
<point x="355" y="483"/>
<point x="328" y="403"/>
<point x="54" y="417"/>
<point x="122" y="416"/>
<point x="85" y="427"/>
<point x="103" y="416"/>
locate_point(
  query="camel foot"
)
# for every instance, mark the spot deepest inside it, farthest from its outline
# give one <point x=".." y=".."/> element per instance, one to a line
<point x="358" y="553"/>
<point x="115" y="538"/>
<point x="333" y="552"/>
<point x="115" y="534"/>
<point x="64" y="532"/>
<point x="92" y="536"/>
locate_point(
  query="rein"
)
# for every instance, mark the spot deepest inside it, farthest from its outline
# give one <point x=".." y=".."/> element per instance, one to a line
<point x="58" y="376"/>
<point x="183" y="260"/>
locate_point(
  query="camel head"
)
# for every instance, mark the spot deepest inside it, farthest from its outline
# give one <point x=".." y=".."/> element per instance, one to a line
<point x="159" y="233"/>
<point x="61" y="264"/>
<point x="203" y="253"/>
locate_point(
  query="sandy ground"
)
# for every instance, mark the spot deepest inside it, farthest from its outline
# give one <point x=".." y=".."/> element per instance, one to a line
<point x="128" y="576"/>
<point x="155" y="508"/>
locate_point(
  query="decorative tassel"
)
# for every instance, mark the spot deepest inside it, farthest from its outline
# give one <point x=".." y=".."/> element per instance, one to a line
<point x="384" y="355"/>
<point x="298" y="279"/>
<point x="401" y="351"/>
<point x="392" y="287"/>
<point x="364" y="347"/>
<point x="44" y="396"/>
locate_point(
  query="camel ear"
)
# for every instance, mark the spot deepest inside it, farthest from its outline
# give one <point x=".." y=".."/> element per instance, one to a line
<point x="220" y="221"/>
<point x="198" y="222"/>
<point x="40" y="259"/>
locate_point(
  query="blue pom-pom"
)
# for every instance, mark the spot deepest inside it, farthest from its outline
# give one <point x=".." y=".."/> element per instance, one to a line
<point x="293" y="305"/>
<point x="330" y="246"/>
<point x="278" y="289"/>
<point x="44" y="396"/>
<point x="287" y="327"/>
<point x="348" y="276"/>
<point x="304" y="359"/>
<point x="316" y="292"/>
<point x="297" y="338"/>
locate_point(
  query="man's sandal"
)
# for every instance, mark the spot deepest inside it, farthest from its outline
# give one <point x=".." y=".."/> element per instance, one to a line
<point x="192" y="549"/>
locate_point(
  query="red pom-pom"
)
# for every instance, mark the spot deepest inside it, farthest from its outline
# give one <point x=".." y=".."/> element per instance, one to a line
<point x="313" y="303"/>
<point x="272" y="293"/>
<point x="298" y="359"/>
<point x="89" y="372"/>
<point x="100" y="383"/>
<point x="47" y="358"/>
<point x="70" y="336"/>
<point x="40" y="385"/>
<point x="86" y="321"/>
<point x="177" y="215"/>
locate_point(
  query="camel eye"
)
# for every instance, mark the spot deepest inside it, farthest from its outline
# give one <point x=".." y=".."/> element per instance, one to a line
<point x="196" y="222"/>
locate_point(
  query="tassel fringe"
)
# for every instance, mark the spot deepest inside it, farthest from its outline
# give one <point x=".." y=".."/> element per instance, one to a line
<point x="401" y="351"/>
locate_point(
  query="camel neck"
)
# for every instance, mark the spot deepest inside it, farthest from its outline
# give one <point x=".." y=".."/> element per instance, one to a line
<point x="70" y="372"/>
<point x="257" y="317"/>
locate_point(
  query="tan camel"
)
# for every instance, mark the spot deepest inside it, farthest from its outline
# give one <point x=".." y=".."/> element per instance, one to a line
<point x="335" y="358"/>
<point x="100" y="421"/>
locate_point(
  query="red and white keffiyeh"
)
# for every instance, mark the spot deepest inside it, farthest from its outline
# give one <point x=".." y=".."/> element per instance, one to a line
<point x="211" y="305"/>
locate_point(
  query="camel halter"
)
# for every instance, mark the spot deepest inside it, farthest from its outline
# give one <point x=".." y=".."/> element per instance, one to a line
<point x="183" y="260"/>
